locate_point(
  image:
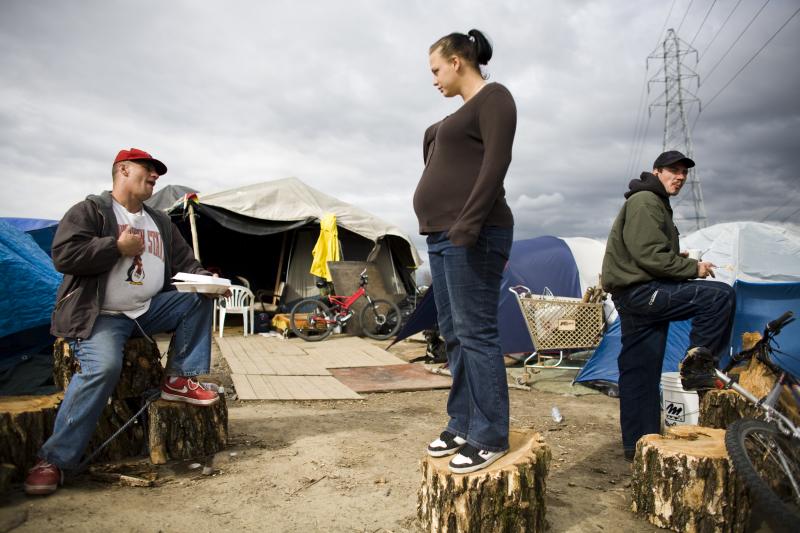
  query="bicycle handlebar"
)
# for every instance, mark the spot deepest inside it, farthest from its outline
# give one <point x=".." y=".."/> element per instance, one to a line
<point x="776" y="325"/>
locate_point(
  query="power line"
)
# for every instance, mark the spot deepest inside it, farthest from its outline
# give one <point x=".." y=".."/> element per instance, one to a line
<point x="791" y="199"/>
<point x="752" y="58"/>
<point x="642" y="104"/>
<point x="714" y="38"/>
<point x="665" y="25"/>
<point x="703" y="23"/>
<point x="710" y="72"/>
<point x="684" y="16"/>
<point x="793" y="213"/>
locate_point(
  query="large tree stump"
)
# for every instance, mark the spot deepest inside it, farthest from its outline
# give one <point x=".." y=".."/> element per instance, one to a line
<point x="141" y="372"/>
<point x="718" y="408"/>
<point x="184" y="431"/>
<point x="25" y="423"/>
<point x="141" y="367"/>
<point x="684" y="481"/>
<point x="7" y="474"/>
<point x="509" y="495"/>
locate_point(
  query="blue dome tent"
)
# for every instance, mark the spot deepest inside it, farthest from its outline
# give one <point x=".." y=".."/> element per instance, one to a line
<point x="762" y="263"/>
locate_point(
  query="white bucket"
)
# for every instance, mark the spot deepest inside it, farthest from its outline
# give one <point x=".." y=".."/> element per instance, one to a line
<point x="678" y="407"/>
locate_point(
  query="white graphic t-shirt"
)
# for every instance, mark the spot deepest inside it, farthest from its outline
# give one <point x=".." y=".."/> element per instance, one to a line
<point x="133" y="281"/>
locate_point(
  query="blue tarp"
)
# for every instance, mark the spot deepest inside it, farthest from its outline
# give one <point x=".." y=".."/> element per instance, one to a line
<point x="42" y="230"/>
<point x="28" y="290"/>
<point x="535" y="263"/>
<point x="756" y="304"/>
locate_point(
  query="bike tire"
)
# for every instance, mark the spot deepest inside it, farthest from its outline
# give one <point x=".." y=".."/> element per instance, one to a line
<point x="311" y="320"/>
<point x="752" y="446"/>
<point x="380" y="319"/>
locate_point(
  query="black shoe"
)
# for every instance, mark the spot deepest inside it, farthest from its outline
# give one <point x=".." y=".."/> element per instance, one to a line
<point x="697" y="370"/>
<point x="629" y="455"/>
<point x="446" y="444"/>
<point x="470" y="459"/>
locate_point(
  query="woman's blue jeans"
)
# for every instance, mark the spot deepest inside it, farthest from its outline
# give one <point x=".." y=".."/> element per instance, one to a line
<point x="100" y="356"/>
<point x="466" y="288"/>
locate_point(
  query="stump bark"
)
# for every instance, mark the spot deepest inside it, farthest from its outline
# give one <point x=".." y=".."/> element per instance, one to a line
<point x="141" y="367"/>
<point x="684" y="481"/>
<point x="718" y="408"/>
<point x="509" y="495"/>
<point x="141" y="372"/>
<point x="25" y="423"/>
<point x="7" y="474"/>
<point x="184" y="431"/>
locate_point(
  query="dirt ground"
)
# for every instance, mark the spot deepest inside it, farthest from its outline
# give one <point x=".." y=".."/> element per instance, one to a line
<point x="350" y="466"/>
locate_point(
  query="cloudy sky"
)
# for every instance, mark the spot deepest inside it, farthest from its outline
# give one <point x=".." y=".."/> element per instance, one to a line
<point x="338" y="94"/>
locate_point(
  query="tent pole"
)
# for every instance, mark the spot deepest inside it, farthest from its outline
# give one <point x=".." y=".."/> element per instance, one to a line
<point x="193" y="224"/>
<point x="275" y="294"/>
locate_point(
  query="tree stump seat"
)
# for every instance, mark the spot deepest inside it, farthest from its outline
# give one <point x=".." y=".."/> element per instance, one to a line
<point x="25" y="423"/>
<point x="508" y="495"/>
<point x="684" y="481"/>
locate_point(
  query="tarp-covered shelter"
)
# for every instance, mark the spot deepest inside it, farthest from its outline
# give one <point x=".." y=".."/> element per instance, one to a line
<point x="27" y="296"/>
<point x="762" y="263"/>
<point x="266" y="232"/>
<point x="166" y="196"/>
<point x="42" y="230"/>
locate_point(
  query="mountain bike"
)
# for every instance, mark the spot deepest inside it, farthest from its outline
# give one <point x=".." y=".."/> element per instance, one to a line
<point x="766" y="453"/>
<point x="314" y="319"/>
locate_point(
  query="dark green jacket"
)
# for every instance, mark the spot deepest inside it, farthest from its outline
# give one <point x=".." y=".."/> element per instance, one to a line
<point x="643" y="243"/>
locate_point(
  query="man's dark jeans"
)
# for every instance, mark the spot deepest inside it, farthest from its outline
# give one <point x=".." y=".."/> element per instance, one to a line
<point x="645" y="311"/>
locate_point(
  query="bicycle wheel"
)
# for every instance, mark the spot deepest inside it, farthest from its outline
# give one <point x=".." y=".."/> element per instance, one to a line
<point x="380" y="319"/>
<point x="769" y="464"/>
<point x="311" y="320"/>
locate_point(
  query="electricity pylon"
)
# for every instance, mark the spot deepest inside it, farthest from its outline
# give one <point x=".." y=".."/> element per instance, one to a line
<point x="676" y="76"/>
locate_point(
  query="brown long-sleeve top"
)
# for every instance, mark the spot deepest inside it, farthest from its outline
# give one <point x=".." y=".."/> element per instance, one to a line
<point x="466" y="158"/>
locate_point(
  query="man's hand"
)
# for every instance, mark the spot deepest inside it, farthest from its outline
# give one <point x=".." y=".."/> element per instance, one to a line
<point x="130" y="244"/>
<point x="227" y="293"/>
<point x="705" y="269"/>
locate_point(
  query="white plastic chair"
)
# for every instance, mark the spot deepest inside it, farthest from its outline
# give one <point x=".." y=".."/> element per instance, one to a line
<point x="240" y="302"/>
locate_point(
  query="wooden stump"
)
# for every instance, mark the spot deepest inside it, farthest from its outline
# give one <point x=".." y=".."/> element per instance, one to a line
<point x="718" y="408"/>
<point x="25" y="423"/>
<point x="182" y="431"/>
<point x="141" y="367"/>
<point x="141" y="372"/>
<point x="509" y="495"/>
<point x="684" y="481"/>
<point x="7" y="474"/>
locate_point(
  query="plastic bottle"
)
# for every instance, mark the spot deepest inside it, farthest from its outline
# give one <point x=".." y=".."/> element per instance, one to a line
<point x="556" y="414"/>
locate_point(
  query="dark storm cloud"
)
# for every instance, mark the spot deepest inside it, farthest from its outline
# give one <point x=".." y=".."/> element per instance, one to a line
<point x="338" y="94"/>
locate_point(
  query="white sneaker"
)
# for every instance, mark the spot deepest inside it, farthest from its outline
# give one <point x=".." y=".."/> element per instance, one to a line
<point x="470" y="459"/>
<point x="446" y="444"/>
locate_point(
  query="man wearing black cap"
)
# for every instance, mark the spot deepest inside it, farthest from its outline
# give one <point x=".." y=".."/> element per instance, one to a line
<point x="118" y="258"/>
<point x="653" y="284"/>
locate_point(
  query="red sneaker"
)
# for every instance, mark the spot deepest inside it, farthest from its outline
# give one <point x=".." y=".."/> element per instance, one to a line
<point x="44" y="478"/>
<point x="178" y="389"/>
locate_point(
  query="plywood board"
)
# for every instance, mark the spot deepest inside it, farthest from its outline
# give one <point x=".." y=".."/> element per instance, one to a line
<point x="390" y="378"/>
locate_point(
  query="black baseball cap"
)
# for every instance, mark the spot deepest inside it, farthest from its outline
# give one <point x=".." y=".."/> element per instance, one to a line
<point x="670" y="158"/>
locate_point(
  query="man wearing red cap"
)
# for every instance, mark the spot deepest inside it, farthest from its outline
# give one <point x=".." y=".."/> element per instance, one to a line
<point x="118" y="257"/>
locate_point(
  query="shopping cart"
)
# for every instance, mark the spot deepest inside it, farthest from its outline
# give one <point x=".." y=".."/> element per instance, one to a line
<point x="558" y="326"/>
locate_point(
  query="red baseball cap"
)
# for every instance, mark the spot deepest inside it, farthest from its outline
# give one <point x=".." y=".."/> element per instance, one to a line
<point x="134" y="154"/>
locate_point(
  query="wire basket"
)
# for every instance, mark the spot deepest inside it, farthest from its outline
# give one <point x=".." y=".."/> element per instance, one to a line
<point x="559" y="323"/>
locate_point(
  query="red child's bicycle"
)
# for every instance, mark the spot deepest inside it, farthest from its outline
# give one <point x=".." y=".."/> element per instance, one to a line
<point x="314" y="319"/>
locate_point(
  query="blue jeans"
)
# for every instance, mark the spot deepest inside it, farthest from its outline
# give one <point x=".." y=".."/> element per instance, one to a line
<point x="466" y="288"/>
<point x="645" y="311"/>
<point x="100" y="356"/>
